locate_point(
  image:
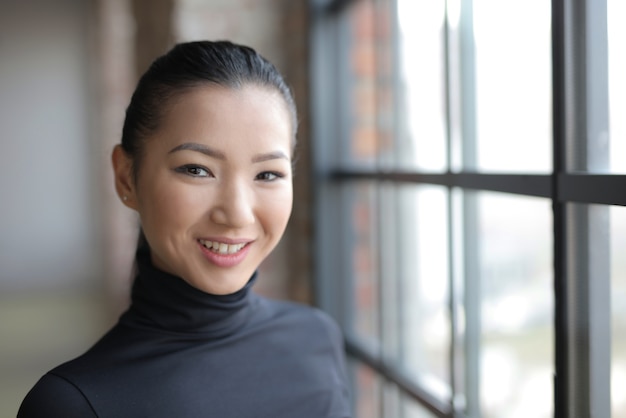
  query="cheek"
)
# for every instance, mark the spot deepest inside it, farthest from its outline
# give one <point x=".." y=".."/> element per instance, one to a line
<point x="167" y="208"/>
<point x="276" y="212"/>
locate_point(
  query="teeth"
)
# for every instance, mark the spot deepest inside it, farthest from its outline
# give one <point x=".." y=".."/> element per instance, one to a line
<point x="222" y="248"/>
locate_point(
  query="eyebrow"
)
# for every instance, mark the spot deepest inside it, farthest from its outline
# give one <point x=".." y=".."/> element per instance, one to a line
<point x="193" y="146"/>
<point x="275" y="155"/>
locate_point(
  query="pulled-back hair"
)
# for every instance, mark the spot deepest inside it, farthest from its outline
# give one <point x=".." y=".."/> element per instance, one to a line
<point x="189" y="65"/>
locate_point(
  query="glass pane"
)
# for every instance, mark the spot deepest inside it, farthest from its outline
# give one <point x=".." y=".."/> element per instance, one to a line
<point x="391" y="400"/>
<point x="588" y="297"/>
<point x="424" y="278"/>
<point x="618" y="312"/>
<point x="513" y="85"/>
<point x="616" y="10"/>
<point x="389" y="244"/>
<point x="386" y="111"/>
<point x="413" y="409"/>
<point x="370" y="77"/>
<point x="367" y="391"/>
<point x="362" y="146"/>
<point x="422" y="124"/>
<point x="363" y="216"/>
<point x="515" y="279"/>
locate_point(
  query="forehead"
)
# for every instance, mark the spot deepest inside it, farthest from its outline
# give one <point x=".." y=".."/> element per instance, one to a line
<point x="250" y="116"/>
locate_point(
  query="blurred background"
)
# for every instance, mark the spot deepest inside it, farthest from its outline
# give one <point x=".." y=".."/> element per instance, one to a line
<point x="67" y="70"/>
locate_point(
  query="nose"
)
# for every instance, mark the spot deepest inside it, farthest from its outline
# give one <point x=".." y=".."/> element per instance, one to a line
<point x="233" y="206"/>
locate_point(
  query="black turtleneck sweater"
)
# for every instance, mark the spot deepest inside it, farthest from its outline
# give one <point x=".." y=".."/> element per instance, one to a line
<point x="179" y="352"/>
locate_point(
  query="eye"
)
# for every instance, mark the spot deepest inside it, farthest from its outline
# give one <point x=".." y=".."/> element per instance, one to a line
<point x="194" y="171"/>
<point x="269" y="176"/>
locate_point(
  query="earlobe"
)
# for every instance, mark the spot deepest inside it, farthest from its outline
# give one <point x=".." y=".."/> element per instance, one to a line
<point x="123" y="172"/>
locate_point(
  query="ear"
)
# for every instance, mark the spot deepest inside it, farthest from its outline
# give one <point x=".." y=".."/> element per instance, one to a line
<point x="124" y="179"/>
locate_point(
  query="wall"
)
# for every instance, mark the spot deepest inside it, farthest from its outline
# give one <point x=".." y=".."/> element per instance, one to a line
<point x="51" y="244"/>
<point x="67" y="69"/>
<point x="46" y="163"/>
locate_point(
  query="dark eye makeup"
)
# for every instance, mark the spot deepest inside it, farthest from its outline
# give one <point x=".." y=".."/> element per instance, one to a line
<point x="194" y="170"/>
<point x="269" y="176"/>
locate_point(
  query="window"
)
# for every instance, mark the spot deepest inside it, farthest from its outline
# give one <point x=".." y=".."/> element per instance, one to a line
<point x="469" y="161"/>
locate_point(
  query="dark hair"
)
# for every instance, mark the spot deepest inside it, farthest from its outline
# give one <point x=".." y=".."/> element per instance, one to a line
<point x="188" y="65"/>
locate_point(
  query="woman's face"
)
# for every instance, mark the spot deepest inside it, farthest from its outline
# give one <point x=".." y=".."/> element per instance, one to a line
<point x="214" y="186"/>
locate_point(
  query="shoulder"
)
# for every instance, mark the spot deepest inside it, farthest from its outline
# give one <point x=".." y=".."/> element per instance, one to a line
<point x="310" y="322"/>
<point x="61" y="391"/>
<point x="54" y="396"/>
<point x="301" y="313"/>
<point x="326" y="324"/>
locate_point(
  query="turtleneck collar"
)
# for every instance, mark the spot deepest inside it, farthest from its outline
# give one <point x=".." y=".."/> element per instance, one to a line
<point x="167" y="303"/>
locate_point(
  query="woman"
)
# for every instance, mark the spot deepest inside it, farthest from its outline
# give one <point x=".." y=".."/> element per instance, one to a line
<point x="205" y="160"/>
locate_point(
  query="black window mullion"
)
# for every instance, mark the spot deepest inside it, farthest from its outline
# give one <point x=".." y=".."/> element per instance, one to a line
<point x="561" y="358"/>
<point x="562" y="186"/>
<point x="525" y="184"/>
<point x="592" y="188"/>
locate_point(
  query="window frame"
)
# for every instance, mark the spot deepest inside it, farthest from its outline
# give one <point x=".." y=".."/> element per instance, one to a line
<point x="579" y="110"/>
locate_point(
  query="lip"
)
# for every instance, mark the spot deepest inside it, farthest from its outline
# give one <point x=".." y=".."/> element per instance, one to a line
<point x="225" y="260"/>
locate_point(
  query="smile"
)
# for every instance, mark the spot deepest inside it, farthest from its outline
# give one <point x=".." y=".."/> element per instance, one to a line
<point x="221" y="247"/>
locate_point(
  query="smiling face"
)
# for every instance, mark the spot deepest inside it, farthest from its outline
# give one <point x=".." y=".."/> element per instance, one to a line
<point x="213" y="188"/>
